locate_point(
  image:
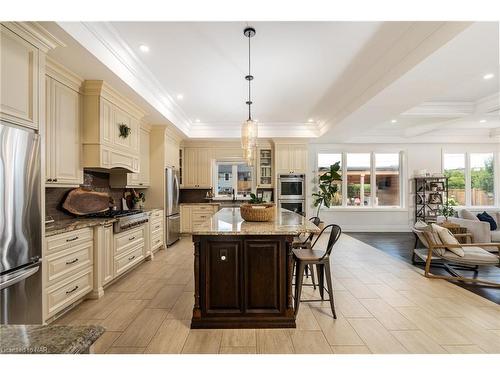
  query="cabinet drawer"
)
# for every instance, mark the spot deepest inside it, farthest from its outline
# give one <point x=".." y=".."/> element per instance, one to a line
<point x="201" y="209"/>
<point x="67" y="263"/>
<point x="157" y="214"/>
<point x="156" y="220"/>
<point x="128" y="260"/>
<point x="157" y="241"/>
<point x="200" y="218"/>
<point x="129" y="239"/>
<point x="68" y="240"/>
<point x="156" y="227"/>
<point x="65" y="293"/>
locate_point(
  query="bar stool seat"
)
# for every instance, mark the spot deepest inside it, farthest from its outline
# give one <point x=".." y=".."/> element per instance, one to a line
<point x="301" y="243"/>
<point x="309" y="257"/>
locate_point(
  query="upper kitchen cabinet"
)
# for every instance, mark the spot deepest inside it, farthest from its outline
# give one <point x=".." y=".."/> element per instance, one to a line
<point x="22" y="64"/>
<point x="111" y="131"/>
<point x="291" y="158"/>
<point x="171" y="152"/>
<point x="63" y="127"/>
<point x="139" y="180"/>
<point x="197" y="171"/>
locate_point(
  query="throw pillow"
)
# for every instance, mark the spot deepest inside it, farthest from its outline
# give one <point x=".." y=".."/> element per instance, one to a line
<point x="448" y="238"/>
<point x="421" y="226"/>
<point x="466" y="214"/>
<point x="486" y="217"/>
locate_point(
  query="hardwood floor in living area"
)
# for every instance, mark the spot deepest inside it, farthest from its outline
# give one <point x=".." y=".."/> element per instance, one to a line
<point x="384" y="305"/>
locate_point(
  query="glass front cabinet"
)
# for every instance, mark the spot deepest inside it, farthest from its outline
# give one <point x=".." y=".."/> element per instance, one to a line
<point x="265" y="168"/>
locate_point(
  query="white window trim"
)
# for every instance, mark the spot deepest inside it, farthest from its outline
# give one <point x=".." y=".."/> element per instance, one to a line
<point x="402" y="178"/>
<point x="468" y="179"/>
<point x="215" y="178"/>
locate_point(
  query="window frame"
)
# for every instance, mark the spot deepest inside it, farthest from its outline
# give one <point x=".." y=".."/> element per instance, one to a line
<point x="234" y="163"/>
<point x="468" y="176"/>
<point x="372" y="207"/>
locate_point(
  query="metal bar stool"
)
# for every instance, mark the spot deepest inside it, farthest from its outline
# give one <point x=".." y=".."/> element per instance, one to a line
<point x="306" y="244"/>
<point x="309" y="257"/>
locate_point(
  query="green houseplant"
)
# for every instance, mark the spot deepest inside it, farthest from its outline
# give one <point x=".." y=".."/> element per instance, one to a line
<point x="327" y="187"/>
<point x="447" y="209"/>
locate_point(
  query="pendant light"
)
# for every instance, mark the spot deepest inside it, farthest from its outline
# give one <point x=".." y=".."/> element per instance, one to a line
<point x="249" y="129"/>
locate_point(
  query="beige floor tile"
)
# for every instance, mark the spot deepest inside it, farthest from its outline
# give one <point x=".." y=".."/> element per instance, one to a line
<point x="203" y="341"/>
<point x="337" y="331"/>
<point x="476" y="334"/>
<point x="358" y="289"/>
<point x="123" y="315"/>
<point x="238" y="350"/>
<point x="349" y="306"/>
<point x="439" y="307"/>
<point x="390" y="295"/>
<point x="148" y="290"/>
<point x="305" y="319"/>
<point x="496" y="331"/>
<point x="170" y="337"/>
<point x="140" y="332"/>
<point x="125" y="350"/>
<point x="166" y="297"/>
<point x="181" y="276"/>
<point x="432" y="327"/>
<point x="350" y="349"/>
<point x="310" y="342"/>
<point x="417" y="342"/>
<point x="274" y="341"/>
<point x="463" y="349"/>
<point x="104" y="342"/>
<point x="129" y="282"/>
<point x="183" y="308"/>
<point x="387" y="315"/>
<point x="377" y="338"/>
<point x="239" y="337"/>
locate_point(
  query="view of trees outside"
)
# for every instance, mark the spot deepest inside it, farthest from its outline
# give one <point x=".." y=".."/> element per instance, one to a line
<point x="481" y="175"/>
<point x="358" y="179"/>
<point x="324" y="162"/>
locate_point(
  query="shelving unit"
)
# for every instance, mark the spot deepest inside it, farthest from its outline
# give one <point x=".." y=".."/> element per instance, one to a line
<point x="431" y="193"/>
<point x="265" y="162"/>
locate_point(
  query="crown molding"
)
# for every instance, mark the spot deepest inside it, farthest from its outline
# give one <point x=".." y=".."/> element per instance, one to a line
<point x="102" y="40"/>
<point x="488" y="104"/>
<point x="441" y="109"/>
<point x="266" y="130"/>
<point x="36" y="34"/>
<point x="62" y="74"/>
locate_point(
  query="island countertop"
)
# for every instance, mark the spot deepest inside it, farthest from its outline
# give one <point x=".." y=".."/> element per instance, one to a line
<point x="228" y="221"/>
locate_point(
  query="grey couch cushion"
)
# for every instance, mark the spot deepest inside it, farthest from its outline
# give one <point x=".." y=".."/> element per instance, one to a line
<point x="466" y="214"/>
<point x="495" y="236"/>
<point x="474" y="256"/>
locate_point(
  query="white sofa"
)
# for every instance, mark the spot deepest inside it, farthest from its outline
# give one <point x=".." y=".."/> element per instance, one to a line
<point x="480" y="230"/>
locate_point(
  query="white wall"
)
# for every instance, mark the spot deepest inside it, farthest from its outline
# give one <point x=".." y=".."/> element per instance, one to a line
<point x="416" y="156"/>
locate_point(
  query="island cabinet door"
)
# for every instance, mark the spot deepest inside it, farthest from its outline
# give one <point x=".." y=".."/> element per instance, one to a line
<point x="221" y="278"/>
<point x="264" y="269"/>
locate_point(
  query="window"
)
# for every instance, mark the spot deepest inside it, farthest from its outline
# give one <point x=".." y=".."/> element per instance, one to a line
<point x="233" y="176"/>
<point x="387" y="180"/>
<point x="324" y="162"/>
<point x="471" y="178"/>
<point x="371" y="179"/>
<point x="454" y="169"/>
<point x="358" y="180"/>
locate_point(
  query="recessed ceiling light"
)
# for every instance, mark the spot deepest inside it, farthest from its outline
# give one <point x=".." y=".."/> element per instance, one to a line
<point x="394" y="121"/>
<point x="144" y="48"/>
<point x="482" y="121"/>
<point x="488" y="76"/>
<point x="197" y="120"/>
<point x="310" y="120"/>
<point x="180" y="96"/>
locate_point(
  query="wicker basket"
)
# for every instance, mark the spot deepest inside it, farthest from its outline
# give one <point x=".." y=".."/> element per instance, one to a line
<point x="257" y="212"/>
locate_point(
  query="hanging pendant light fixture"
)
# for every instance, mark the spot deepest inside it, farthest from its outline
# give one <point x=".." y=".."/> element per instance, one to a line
<point x="249" y="129"/>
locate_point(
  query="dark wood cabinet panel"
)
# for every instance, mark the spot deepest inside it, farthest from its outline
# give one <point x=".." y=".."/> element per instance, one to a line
<point x="264" y="265"/>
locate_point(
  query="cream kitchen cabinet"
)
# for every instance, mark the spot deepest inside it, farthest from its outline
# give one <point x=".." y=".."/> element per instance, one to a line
<point x="197" y="171"/>
<point x="105" y="112"/>
<point x="129" y="249"/>
<point x="291" y="158"/>
<point x="185" y="219"/>
<point x="171" y="153"/>
<point x="194" y="215"/>
<point x="136" y="180"/>
<point x="156" y="230"/>
<point x="19" y="77"/>
<point x="104" y="258"/>
<point x="62" y="147"/>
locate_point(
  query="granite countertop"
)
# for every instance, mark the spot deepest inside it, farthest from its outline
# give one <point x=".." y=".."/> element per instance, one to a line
<point x="68" y="225"/>
<point x="47" y="339"/>
<point x="228" y="221"/>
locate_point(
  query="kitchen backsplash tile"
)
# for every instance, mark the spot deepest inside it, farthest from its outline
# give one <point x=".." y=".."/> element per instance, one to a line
<point x="193" y="195"/>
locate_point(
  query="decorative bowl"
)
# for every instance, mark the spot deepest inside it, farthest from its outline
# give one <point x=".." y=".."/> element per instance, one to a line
<point x="257" y="212"/>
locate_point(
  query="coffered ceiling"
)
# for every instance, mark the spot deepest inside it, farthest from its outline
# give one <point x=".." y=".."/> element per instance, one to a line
<point x="329" y="81"/>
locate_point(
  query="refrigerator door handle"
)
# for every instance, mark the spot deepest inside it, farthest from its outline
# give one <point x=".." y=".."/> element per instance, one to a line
<point x="17" y="277"/>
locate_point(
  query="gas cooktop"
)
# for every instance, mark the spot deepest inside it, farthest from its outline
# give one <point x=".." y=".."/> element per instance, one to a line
<point x="126" y="219"/>
<point x="114" y="213"/>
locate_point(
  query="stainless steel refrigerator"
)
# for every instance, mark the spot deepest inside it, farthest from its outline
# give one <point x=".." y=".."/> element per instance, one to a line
<point x="172" y="211"/>
<point x="20" y="227"/>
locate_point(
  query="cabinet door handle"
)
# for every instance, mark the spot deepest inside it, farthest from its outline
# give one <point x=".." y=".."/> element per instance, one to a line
<point x="49" y="180"/>
<point x="132" y="257"/>
<point x="140" y="183"/>
<point x="223" y="257"/>
<point x="157" y="227"/>
<point x="72" y="290"/>
<point x="131" y="238"/>
<point x="72" y="261"/>
<point x="72" y="239"/>
<point x="55" y="180"/>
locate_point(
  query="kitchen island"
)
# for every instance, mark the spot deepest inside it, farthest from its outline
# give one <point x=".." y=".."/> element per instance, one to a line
<point x="243" y="270"/>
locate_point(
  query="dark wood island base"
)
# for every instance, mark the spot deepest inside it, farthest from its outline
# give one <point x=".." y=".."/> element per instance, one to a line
<point x="243" y="281"/>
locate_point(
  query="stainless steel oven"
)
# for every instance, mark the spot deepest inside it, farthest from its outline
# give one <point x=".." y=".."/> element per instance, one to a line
<point x="296" y="205"/>
<point x="291" y="186"/>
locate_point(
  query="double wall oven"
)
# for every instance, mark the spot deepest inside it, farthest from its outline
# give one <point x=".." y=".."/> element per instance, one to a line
<point x="291" y="192"/>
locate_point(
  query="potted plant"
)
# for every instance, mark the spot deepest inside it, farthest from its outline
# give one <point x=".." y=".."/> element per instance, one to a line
<point x="138" y="199"/>
<point x="327" y="188"/>
<point x="447" y="209"/>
